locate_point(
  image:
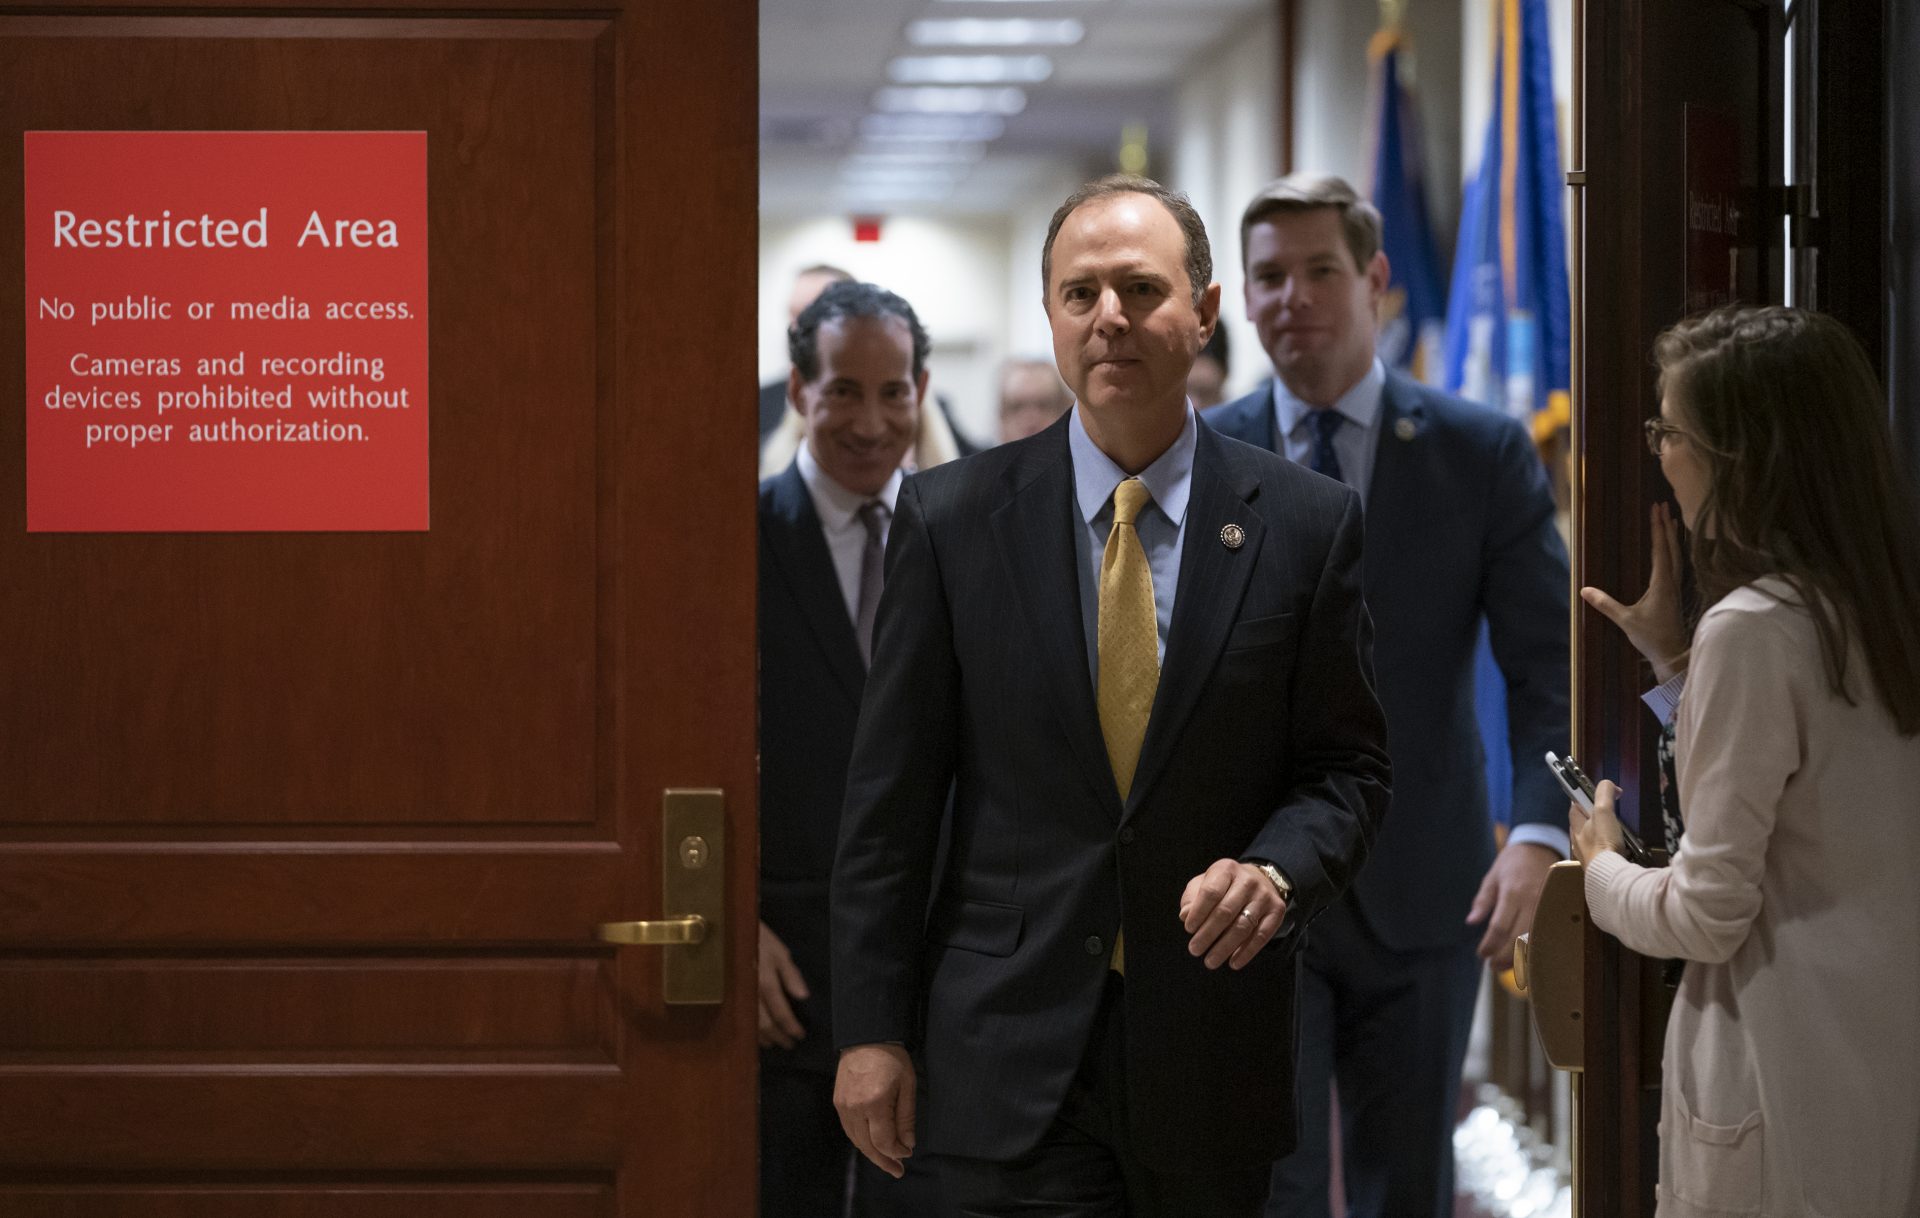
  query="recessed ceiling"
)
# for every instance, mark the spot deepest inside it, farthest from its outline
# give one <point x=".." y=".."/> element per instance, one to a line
<point x="825" y="67"/>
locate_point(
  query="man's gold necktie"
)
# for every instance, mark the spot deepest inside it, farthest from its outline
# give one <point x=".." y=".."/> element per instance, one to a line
<point x="1129" y="644"/>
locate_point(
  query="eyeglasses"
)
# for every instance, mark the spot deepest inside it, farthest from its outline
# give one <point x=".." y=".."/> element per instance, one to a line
<point x="1658" y="429"/>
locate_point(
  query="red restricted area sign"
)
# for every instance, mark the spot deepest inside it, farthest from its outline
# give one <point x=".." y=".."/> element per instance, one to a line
<point x="226" y="331"/>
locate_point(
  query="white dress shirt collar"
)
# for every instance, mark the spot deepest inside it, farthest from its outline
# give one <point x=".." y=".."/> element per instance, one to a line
<point x="836" y="505"/>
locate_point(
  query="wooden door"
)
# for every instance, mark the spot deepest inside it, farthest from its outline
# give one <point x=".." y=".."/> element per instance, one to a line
<point x="1680" y="104"/>
<point x="1792" y="98"/>
<point x="304" y="838"/>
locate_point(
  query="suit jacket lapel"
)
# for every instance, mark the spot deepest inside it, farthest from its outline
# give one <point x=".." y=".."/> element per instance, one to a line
<point x="800" y="551"/>
<point x="1387" y="504"/>
<point x="1034" y="532"/>
<point x="1206" y="600"/>
<point x="1249" y="420"/>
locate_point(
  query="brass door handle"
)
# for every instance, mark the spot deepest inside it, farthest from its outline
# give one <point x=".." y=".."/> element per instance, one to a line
<point x="1550" y="965"/>
<point x="693" y="888"/>
<point x="663" y="932"/>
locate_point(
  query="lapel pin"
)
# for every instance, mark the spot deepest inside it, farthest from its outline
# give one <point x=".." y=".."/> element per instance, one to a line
<point x="1233" y="536"/>
<point x="1405" y="429"/>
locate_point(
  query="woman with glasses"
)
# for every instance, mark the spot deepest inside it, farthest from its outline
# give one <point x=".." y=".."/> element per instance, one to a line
<point x="1792" y="1064"/>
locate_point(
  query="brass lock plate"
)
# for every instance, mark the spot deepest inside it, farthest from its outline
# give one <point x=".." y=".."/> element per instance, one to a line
<point x="693" y="827"/>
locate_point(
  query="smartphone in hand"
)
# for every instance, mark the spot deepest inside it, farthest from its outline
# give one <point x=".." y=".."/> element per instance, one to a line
<point x="1579" y="789"/>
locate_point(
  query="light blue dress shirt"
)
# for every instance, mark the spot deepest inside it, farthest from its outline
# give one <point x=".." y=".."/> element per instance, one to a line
<point x="1161" y="525"/>
<point x="1355" y="443"/>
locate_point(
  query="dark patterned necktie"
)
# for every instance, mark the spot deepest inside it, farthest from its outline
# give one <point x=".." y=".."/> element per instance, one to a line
<point x="1325" y="459"/>
<point x="873" y="555"/>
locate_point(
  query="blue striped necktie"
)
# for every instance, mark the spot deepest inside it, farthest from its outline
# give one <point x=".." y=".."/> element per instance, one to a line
<point x="1325" y="459"/>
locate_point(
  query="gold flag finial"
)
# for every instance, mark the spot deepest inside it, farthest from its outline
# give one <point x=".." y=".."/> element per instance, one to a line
<point x="1390" y="36"/>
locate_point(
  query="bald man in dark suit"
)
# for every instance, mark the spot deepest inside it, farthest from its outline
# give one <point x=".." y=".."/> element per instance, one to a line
<point x="1136" y="654"/>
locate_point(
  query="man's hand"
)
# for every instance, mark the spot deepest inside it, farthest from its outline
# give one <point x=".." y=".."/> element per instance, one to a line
<point x="1601" y="832"/>
<point x="1510" y="893"/>
<point x="1232" y="910"/>
<point x="1654" y="623"/>
<point x="874" y="1096"/>
<point x="780" y="980"/>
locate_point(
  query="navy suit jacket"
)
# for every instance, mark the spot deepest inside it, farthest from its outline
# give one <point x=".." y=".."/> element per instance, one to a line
<point x="811" y="677"/>
<point x="1265" y="741"/>
<point x="1459" y="525"/>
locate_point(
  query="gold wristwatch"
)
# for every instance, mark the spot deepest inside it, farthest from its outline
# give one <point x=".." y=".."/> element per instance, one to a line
<point x="1279" y="881"/>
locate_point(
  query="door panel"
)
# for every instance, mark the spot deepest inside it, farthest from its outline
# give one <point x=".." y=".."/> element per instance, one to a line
<point x="1645" y="63"/>
<point x="118" y="1009"/>
<point x="294" y="1201"/>
<point x="304" y="838"/>
<point x="418" y="658"/>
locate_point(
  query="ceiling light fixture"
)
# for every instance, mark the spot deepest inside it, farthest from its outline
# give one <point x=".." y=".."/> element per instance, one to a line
<point x="871" y="196"/>
<point x="919" y="154"/>
<point x="922" y="128"/>
<point x="897" y="183"/>
<point x="917" y="171"/>
<point x="994" y="32"/>
<point x="970" y="69"/>
<point x="949" y="99"/>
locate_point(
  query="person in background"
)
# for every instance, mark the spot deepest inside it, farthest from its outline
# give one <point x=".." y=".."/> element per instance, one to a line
<point x="807" y="286"/>
<point x="1155" y="769"/>
<point x="1792" y="1047"/>
<point x="1459" y="529"/>
<point x="1032" y="397"/>
<point x="1207" y="383"/>
<point x="859" y="379"/>
<point x="934" y="442"/>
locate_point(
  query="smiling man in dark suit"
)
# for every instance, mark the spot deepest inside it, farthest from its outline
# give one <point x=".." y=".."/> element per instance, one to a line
<point x="1459" y="528"/>
<point x="859" y="375"/>
<point x="1136" y="654"/>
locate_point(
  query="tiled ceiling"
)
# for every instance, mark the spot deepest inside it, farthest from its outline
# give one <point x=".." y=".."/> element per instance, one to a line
<point x="824" y="62"/>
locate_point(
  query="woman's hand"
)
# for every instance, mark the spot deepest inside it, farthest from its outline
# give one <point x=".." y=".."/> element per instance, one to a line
<point x="1653" y="624"/>
<point x="1596" y="834"/>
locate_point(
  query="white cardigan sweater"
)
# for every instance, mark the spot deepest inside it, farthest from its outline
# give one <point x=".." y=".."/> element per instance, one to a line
<point x="1792" y="1064"/>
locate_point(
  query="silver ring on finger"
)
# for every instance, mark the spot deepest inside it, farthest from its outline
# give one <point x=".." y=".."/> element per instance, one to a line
<point x="1246" y="915"/>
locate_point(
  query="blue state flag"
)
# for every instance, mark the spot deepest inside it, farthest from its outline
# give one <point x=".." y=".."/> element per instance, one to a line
<point x="1412" y="318"/>
<point x="1509" y="337"/>
<point x="1509" y="334"/>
